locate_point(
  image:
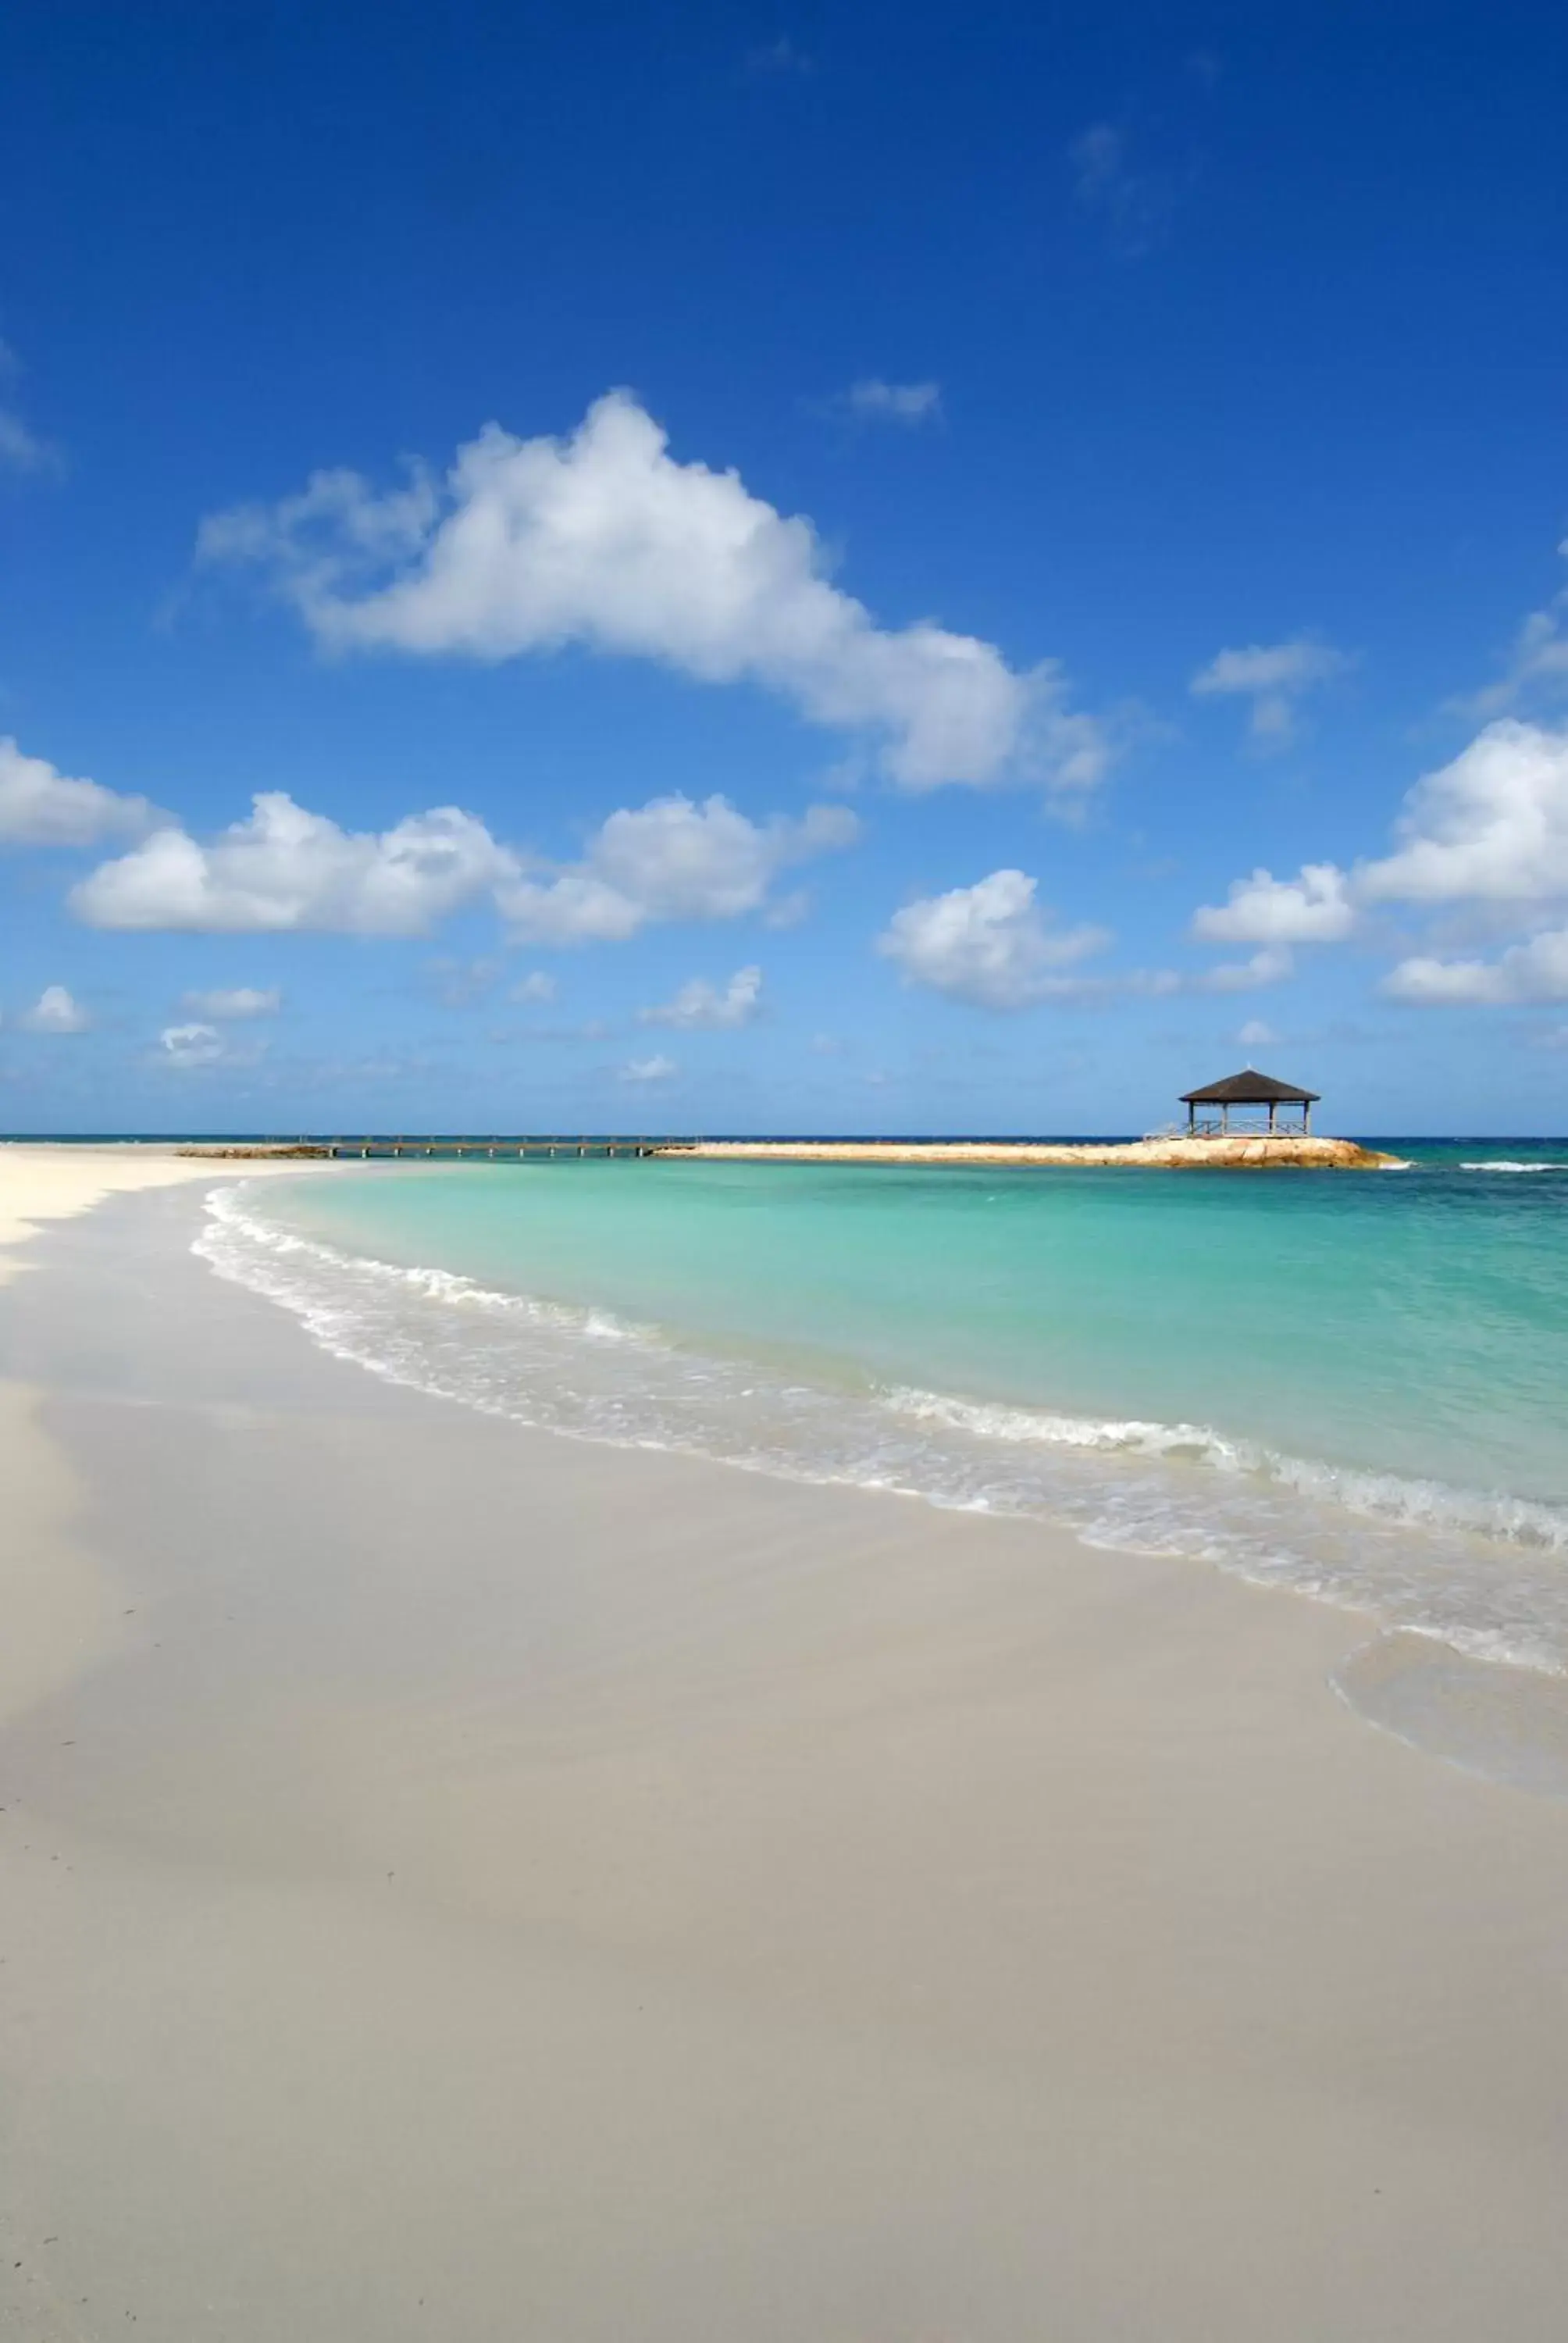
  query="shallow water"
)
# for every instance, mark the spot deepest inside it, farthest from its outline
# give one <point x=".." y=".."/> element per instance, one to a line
<point x="1349" y="1383"/>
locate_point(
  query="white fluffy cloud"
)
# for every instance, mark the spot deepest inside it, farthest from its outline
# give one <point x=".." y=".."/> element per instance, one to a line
<point x="1273" y="677"/>
<point x="537" y="986"/>
<point x="604" y="540"/>
<point x="1533" y="971"/>
<point x="989" y="944"/>
<point x="1488" y="828"/>
<point x="1255" y="1035"/>
<point x="702" y="1004"/>
<point x="55" y="1012"/>
<point x="284" y="868"/>
<point x="1491" y="827"/>
<point x="41" y="806"/>
<point x="241" y="1000"/>
<point x="191" y="1045"/>
<point x="1313" y="907"/>
<point x="649" y="1070"/>
<point x="672" y="858"/>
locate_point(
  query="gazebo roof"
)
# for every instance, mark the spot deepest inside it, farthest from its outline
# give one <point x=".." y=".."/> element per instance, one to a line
<point x="1249" y="1089"/>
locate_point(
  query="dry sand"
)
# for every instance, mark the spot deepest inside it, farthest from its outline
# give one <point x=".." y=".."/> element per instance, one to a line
<point x="40" y="1182"/>
<point x="482" y="1886"/>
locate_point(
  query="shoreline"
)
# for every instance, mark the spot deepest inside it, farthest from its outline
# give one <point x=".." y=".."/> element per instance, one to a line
<point x="493" y="1885"/>
<point x="45" y="1180"/>
<point x="1254" y="1506"/>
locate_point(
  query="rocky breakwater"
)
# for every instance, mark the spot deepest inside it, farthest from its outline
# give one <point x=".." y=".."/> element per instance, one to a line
<point x="1240" y="1152"/>
<point x="261" y="1151"/>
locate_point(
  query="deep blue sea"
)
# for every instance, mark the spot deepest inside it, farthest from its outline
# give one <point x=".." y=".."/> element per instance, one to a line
<point x="1355" y="1384"/>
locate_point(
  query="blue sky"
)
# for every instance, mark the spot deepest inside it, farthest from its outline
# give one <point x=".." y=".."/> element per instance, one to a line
<point x="864" y="568"/>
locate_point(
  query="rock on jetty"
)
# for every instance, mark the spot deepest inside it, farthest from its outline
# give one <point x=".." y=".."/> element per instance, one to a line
<point x="1291" y="1151"/>
<point x="260" y="1151"/>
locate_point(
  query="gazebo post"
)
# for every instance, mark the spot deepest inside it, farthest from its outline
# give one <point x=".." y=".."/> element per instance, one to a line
<point x="1192" y="1118"/>
<point x="1273" y="1108"/>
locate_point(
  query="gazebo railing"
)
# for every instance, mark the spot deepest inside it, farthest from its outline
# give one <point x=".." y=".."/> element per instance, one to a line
<point x="1249" y="1123"/>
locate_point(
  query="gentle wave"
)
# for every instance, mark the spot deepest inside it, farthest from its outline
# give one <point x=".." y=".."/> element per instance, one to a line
<point x="1501" y="1165"/>
<point x="1487" y="1573"/>
<point x="1388" y="1495"/>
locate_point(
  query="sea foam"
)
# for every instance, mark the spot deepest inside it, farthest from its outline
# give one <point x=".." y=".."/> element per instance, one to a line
<point x="1485" y="1572"/>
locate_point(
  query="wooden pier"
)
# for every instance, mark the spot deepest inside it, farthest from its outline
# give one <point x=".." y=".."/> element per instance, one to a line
<point x="442" y="1146"/>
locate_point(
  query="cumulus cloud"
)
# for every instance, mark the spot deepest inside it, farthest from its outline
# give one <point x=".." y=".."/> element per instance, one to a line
<point x="875" y="401"/>
<point x="649" y="1070"/>
<point x="1533" y="971"/>
<point x="284" y="868"/>
<point x="703" y="1005"/>
<point x="191" y="1045"/>
<point x="1491" y="827"/>
<point x="1273" y="677"/>
<point x="1488" y="828"/>
<point x="55" y="1012"/>
<point x="989" y="944"/>
<point x="41" y="806"/>
<point x="1255" y="1035"/>
<point x="1313" y="907"/>
<point x="536" y="986"/>
<point x="604" y="540"/>
<point x="672" y="858"/>
<point x="241" y="1000"/>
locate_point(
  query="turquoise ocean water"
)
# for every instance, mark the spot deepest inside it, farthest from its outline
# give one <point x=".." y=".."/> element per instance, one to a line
<point x="1355" y="1384"/>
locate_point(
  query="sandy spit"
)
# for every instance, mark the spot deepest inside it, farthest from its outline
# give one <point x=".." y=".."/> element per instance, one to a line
<point x="1249" y="1153"/>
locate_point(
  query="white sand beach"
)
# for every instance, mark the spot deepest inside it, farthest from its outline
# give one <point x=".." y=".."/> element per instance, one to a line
<point x="465" y="1883"/>
<point x="39" y="1183"/>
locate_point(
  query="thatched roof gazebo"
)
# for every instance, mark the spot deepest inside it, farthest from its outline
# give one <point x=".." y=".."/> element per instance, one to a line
<point x="1247" y="1089"/>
